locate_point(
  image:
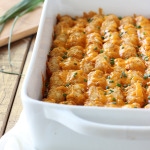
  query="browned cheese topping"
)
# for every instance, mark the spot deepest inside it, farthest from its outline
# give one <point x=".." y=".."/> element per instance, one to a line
<point x="100" y="60"/>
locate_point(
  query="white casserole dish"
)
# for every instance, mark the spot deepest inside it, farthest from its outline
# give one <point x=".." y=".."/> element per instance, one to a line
<point x="54" y="126"/>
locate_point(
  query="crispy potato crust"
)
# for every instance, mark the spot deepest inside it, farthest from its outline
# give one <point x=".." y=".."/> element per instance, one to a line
<point x="100" y="60"/>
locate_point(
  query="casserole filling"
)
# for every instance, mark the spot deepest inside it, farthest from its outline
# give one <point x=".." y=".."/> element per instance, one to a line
<point x="99" y="60"/>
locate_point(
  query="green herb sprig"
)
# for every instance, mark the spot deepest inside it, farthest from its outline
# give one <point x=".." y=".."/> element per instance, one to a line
<point x="19" y="9"/>
<point x="15" y="12"/>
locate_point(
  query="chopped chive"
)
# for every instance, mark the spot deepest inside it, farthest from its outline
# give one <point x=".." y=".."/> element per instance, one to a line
<point x="146" y="86"/>
<point x="64" y="57"/>
<point x="111" y="81"/>
<point x="125" y="85"/>
<point x="101" y="51"/>
<point x="118" y="84"/>
<point x="75" y="74"/>
<point x="95" y="48"/>
<point x="119" y="17"/>
<point x="85" y="80"/>
<point x="146" y="58"/>
<point x="123" y="74"/>
<point x="111" y="91"/>
<point x="73" y="18"/>
<point x="121" y="34"/>
<point x="64" y="95"/>
<point x="83" y="55"/>
<point x="114" y="99"/>
<point x="145" y="76"/>
<point x="108" y="77"/>
<point x="112" y="62"/>
<point x="107" y="87"/>
<point x="138" y="27"/>
<point x="89" y="20"/>
<point x="67" y="84"/>
<point x="103" y="37"/>
<point x="105" y="57"/>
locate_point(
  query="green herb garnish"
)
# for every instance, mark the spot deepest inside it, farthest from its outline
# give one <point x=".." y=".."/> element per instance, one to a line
<point x="112" y="62"/>
<point x="111" y="81"/>
<point x="108" y="77"/>
<point x="85" y="80"/>
<point x="105" y="57"/>
<point x="123" y="74"/>
<point x="101" y="51"/>
<point x="103" y="37"/>
<point x="64" y="95"/>
<point x="118" y="84"/>
<point x="145" y="76"/>
<point x="15" y="13"/>
<point x="146" y="58"/>
<point x="119" y="17"/>
<point x="90" y="20"/>
<point x="67" y="84"/>
<point x="107" y="87"/>
<point x="111" y="91"/>
<point x="95" y="48"/>
<point x="65" y="56"/>
<point x="121" y="34"/>
<point x="75" y="74"/>
<point x="138" y="27"/>
<point x="114" y="99"/>
<point x="146" y="86"/>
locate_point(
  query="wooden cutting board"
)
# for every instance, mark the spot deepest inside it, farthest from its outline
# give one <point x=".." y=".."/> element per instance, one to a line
<point x="25" y="26"/>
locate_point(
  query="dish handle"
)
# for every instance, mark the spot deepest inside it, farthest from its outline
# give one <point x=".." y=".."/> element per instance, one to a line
<point x="90" y="128"/>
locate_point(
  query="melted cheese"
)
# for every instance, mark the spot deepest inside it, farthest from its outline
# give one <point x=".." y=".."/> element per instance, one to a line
<point x="100" y="60"/>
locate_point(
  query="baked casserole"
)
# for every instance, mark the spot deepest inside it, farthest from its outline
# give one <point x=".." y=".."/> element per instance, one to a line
<point x="99" y="60"/>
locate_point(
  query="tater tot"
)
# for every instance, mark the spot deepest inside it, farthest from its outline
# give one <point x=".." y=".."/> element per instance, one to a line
<point x="99" y="60"/>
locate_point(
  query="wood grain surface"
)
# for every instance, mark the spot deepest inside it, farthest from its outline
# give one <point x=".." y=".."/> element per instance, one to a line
<point x="17" y="104"/>
<point x="9" y="82"/>
<point x="25" y="26"/>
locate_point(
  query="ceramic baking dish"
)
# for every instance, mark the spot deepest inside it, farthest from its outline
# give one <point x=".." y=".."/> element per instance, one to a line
<point x="54" y="126"/>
